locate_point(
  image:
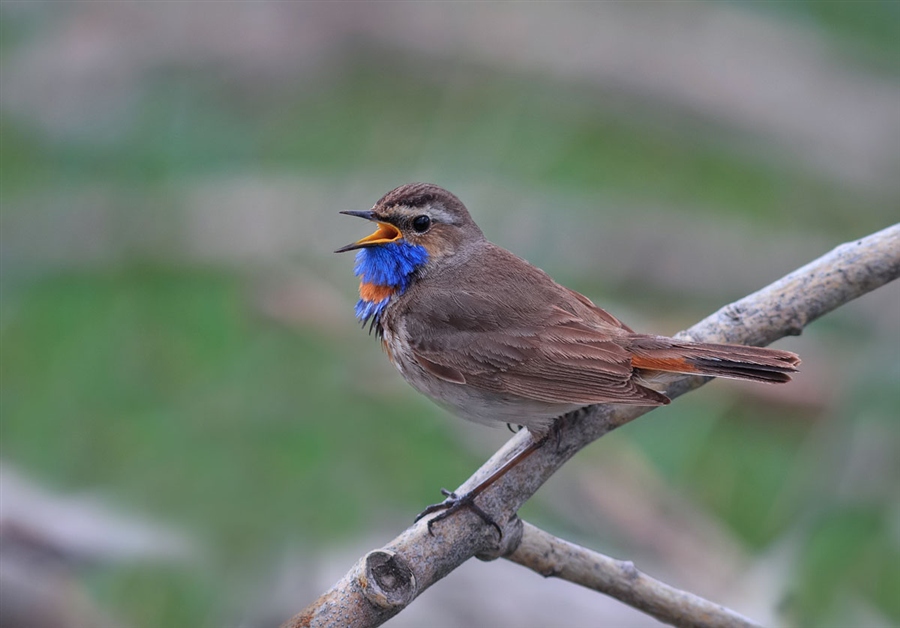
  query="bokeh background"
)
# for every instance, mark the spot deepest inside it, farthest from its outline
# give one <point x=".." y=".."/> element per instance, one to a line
<point x="194" y="430"/>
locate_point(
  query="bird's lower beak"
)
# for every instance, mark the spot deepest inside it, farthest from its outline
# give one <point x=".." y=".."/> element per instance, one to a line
<point x="385" y="233"/>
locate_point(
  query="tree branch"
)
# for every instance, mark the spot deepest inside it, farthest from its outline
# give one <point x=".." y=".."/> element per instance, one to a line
<point x="383" y="582"/>
<point x="551" y="556"/>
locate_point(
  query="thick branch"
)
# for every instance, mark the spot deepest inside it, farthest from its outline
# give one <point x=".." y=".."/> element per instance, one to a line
<point x="385" y="581"/>
<point x="551" y="556"/>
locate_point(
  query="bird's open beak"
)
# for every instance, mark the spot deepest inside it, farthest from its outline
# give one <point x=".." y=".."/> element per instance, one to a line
<point x="385" y="233"/>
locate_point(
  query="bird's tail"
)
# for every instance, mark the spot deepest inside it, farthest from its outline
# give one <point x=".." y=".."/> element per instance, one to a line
<point x="655" y="353"/>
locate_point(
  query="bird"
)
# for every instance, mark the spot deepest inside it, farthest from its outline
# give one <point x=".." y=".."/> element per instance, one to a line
<point x="496" y="340"/>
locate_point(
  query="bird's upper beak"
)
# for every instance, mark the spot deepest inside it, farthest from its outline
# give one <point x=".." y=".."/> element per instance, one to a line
<point x="385" y="233"/>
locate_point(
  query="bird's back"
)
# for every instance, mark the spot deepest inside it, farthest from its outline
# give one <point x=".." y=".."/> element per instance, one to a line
<point x="493" y="289"/>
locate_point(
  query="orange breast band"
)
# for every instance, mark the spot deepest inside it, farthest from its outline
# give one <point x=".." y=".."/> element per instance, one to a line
<point x="374" y="293"/>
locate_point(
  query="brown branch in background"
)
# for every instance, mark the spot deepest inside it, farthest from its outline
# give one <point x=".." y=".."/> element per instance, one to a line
<point x="385" y="581"/>
<point x="551" y="556"/>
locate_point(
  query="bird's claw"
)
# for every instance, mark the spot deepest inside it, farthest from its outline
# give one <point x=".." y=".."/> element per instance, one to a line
<point x="454" y="503"/>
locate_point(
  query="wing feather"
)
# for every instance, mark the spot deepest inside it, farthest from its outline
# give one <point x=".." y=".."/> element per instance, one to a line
<point x="527" y="349"/>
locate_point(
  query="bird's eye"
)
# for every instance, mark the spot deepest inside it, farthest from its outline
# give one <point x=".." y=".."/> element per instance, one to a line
<point x="421" y="223"/>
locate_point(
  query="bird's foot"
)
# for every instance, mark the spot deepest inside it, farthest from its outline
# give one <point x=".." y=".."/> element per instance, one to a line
<point x="453" y="504"/>
<point x="556" y="430"/>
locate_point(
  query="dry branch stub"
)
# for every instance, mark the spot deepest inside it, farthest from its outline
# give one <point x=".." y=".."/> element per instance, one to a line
<point x="387" y="581"/>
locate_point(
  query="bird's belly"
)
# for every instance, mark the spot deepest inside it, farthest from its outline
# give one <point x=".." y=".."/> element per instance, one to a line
<point x="474" y="404"/>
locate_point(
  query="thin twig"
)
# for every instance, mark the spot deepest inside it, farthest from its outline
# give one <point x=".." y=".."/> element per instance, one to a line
<point x="551" y="556"/>
<point x="385" y="581"/>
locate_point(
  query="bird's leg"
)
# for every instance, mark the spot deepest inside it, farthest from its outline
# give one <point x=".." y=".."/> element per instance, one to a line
<point x="455" y="502"/>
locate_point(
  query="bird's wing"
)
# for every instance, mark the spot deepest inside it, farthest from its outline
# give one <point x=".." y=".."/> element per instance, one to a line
<point x="552" y="347"/>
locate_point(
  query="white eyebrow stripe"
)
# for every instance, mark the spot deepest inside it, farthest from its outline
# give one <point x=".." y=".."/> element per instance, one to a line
<point x="439" y="214"/>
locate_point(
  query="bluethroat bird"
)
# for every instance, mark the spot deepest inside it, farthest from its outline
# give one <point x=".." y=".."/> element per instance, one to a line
<point x="495" y="340"/>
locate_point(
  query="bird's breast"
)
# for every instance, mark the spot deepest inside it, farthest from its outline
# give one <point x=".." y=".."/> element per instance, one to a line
<point x="374" y="293"/>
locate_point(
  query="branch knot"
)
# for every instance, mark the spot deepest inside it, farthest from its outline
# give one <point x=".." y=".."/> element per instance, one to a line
<point x="387" y="581"/>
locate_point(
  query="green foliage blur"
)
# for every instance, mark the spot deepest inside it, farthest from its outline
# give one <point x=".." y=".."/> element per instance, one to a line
<point x="172" y="370"/>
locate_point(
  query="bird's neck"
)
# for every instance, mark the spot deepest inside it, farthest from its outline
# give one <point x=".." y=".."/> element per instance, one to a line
<point x="385" y="271"/>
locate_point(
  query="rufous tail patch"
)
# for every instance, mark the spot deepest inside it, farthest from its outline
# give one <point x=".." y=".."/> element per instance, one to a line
<point x="670" y="365"/>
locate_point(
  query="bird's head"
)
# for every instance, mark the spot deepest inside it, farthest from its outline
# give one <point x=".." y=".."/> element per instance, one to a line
<point x="420" y="225"/>
<point x="418" y="214"/>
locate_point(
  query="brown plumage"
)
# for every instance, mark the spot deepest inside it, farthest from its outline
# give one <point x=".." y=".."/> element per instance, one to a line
<point x="495" y="339"/>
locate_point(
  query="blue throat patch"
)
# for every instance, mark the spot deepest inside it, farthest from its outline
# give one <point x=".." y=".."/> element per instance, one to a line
<point x="390" y="265"/>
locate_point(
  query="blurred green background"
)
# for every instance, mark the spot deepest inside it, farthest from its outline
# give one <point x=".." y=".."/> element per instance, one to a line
<point x="179" y="342"/>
